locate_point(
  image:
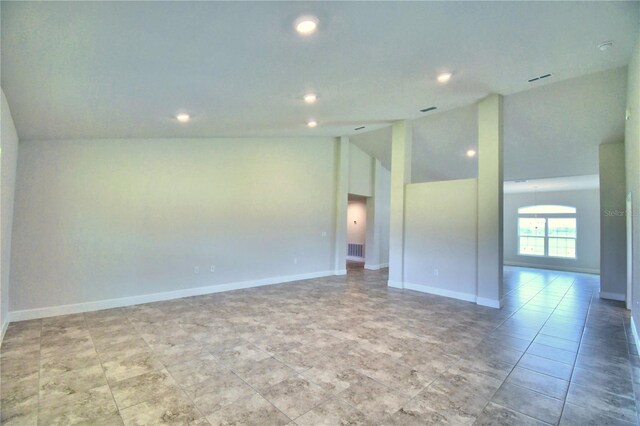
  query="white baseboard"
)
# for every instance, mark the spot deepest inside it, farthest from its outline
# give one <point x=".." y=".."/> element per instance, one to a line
<point x="459" y="295"/>
<point x="468" y="297"/>
<point x="355" y="259"/>
<point x="395" y="284"/>
<point x="4" y="329"/>
<point x="635" y="333"/>
<point x="372" y="267"/>
<point x="554" y="267"/>
<point x="340" y="272"/>
<point x="491" y="303"/>
<point x="612" y="296"/>
<point x="52" y="311"/>
<point x="384" y="265"/>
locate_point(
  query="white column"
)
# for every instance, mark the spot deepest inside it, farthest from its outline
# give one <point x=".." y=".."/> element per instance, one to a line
<point x="490" y="201"/>
<point x="401" y="141"/>
<point x="342" y="194"/>
<point x="372" y="246"/>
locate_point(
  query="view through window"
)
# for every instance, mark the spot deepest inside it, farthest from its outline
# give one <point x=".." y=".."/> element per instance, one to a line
<point x="547" y="230"/>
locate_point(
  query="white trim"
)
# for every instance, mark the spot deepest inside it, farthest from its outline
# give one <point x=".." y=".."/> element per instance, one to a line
<point x="459" y="295"/>
<point x="395" y="284"/>
<point x="340" y="272"/>
<point x="51" y="311"/>
<point x="635" y="333"/>
<point x="491" y="303"/>
<point x="468" y="297"/>
<point x="553" y="267"/>
<point x="371" y="267"/>
<point x="4" y="329"/>
<point x="355" y="259"/>
<point x="612" y="296"/>
<point x="384" y="265"/>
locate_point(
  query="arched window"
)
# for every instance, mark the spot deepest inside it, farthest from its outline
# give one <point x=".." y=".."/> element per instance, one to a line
<point x="547" y="230"/>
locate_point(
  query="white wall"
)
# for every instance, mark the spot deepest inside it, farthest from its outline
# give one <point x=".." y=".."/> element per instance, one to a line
<point x="555" y="129"/>
<point x="441" y="233"/>
<point x="613" y="223"/>
<point x="632" y="159"/>
<point x="357" y="221"/>
<point x="385" y="200"/>
<point x="104" y="219"/>
<point x="587" y="203"/>
<point x="440" y="145"/>
<point x="360" y="172"/>
<point x="9" y="155"/>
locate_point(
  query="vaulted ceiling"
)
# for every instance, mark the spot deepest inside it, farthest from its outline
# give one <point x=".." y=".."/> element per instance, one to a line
<point x="551" y="130"/>
<point x="74" y="70"/>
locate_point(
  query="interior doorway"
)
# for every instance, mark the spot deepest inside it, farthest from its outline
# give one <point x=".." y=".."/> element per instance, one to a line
<point x="356" y="231"/>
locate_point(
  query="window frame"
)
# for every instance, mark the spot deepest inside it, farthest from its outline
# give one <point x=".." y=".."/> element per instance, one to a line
<point x="546" y="217"/>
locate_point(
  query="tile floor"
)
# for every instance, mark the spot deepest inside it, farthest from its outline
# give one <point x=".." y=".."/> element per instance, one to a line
<point x="335" y="351"/>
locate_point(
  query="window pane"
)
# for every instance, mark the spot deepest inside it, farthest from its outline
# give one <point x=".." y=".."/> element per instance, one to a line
<point x="562" y="227"/>
<point x="531" y="226"/>
<point x="532" y="246"/>
<point x="546" y="209"/>
<point x="562" y="247"/>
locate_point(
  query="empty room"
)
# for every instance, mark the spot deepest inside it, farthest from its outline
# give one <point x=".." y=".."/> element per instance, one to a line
<point x="320" y="213"/>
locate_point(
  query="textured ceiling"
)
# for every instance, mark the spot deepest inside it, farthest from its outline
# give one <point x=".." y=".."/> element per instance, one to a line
<point x="549" y="131"/>
<point x="124" y="69"/>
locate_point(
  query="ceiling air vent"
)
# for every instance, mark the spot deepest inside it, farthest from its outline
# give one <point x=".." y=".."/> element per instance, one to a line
<point x="359" y="128"/>
<point x="539" y="78"/>
<point x="428" y="109"/>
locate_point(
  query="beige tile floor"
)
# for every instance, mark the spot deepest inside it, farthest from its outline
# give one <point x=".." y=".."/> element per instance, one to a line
<point x="334" y="351"/>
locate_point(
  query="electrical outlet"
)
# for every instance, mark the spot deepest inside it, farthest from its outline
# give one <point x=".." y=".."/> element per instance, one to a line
<point x="196" y="269"/>
<point x="212" y="268"/>
<point x="324" y="233"/>
<point x="295" y="260"/>
<point x="435" y="272"/>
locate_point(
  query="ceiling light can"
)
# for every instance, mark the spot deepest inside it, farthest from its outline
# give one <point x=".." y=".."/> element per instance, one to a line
<point x="444" y="77"/>
<point x="183" y="117"/>
<point x="306" y="25"/>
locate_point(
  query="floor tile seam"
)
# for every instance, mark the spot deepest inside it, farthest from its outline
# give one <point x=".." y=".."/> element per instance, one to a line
<point x="166" y="368"/>
<point x="523" y="352"/>
<point x="269" y="401"/>
<point x="551" y="359"/>
<point x="579" y="344"/>
<point x="527" y="348"/>
<point x="546" y="374"/>
<point x="104" y="373"/>
<point x="634" y="388"/>
<point x="402" y="406"/>
<point x="517" y="310"/>
<point x="512" y="367"/>
<point x="606" y="415"/>
<point x="186" y="394"/>
<point x="523" y="414"/>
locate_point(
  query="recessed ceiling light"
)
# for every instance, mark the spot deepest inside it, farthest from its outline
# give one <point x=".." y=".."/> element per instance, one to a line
<point x="444" y="77"/>
<point x="471" y="153"/>
<point x="310" y="98"/>
<point x="606" y="45"/>
<point x="312" y="123"/>
<point x="183" y="118"/>
<point x="306" y="25"/>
